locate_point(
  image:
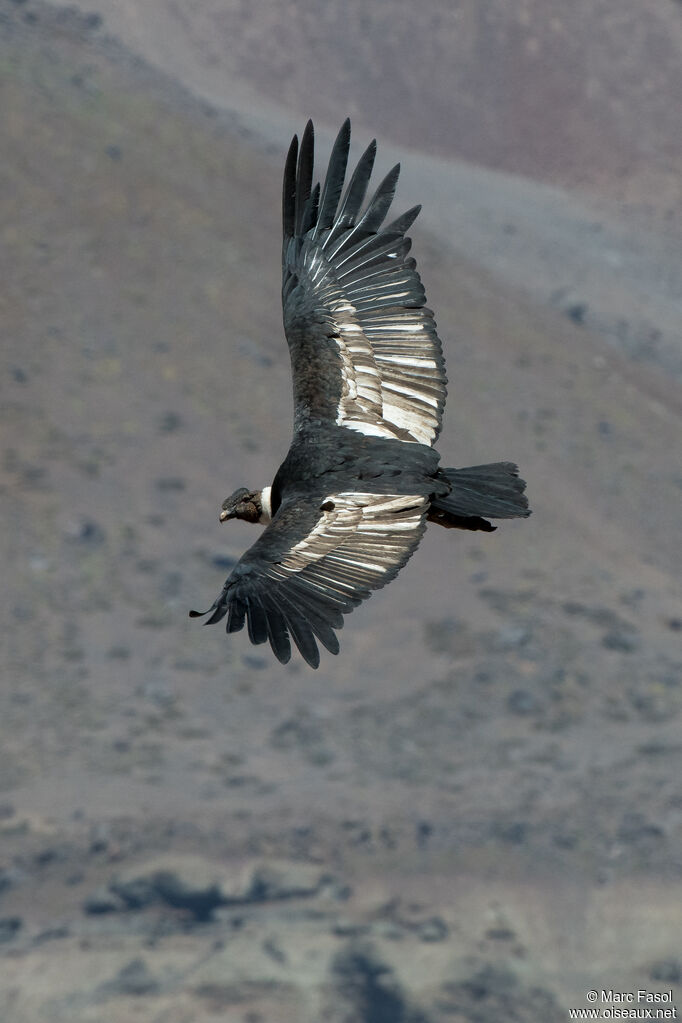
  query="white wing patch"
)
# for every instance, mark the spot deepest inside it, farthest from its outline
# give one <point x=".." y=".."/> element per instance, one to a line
<point x="388" y="378"/>
<point x="392" y="378"/>
<point x="360" y="537"/>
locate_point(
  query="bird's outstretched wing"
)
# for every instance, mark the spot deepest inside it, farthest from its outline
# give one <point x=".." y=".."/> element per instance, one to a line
<point x="315" y="563"/>
<point x="364" y="349"/>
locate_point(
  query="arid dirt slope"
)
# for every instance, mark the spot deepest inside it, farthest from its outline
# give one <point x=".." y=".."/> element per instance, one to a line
<point x="580" y="94"/>
<point x="473" y="813"/>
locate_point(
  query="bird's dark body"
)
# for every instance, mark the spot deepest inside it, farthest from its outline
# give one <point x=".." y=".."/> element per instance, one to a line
<point x="325" y="458"/>
<point x="349" y="503"/>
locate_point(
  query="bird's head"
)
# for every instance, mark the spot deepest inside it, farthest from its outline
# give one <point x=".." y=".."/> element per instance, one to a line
<point x="250" y="505"/>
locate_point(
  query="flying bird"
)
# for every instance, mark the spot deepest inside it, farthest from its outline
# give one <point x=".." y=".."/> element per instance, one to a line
<point x="350" y="503"/>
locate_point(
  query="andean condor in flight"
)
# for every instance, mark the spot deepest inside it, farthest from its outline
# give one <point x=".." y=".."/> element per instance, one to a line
<point x="350" y="503"/>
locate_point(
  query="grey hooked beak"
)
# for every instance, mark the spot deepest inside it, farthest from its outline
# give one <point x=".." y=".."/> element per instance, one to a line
<point x="225" y="515"/>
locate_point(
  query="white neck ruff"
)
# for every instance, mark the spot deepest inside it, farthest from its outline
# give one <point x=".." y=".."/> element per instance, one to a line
<point x="266" y="506"/>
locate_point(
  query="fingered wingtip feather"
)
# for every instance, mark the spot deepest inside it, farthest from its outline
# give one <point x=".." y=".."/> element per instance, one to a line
<point x="354" y="196"/>
<point x="333" y="182"/>
<point x="304" y="175"/>
<point x="375" y="213"/>
<point x="302" y="635"/>
<point x="404" y="222"/>
<point x="283" y="656"/>
<point x="289" y="190"/>
<point x="218" y="614"/>
<point x="309" y="218"/>
<point x="277" y="630"/>
<point x="219" y="611"/>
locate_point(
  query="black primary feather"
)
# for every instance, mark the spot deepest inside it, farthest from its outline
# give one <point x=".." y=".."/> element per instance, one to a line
<point x="304" y="175"/>
<point x="333" y="183"/>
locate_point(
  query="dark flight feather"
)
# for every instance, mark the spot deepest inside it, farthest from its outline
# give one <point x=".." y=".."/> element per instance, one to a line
<point x="289" y="192"/>
<point x="304" y="175"/>
<point x="333" y="183"/>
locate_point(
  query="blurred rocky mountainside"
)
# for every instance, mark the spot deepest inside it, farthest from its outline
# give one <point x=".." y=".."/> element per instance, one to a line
<point x="472" y="813"/>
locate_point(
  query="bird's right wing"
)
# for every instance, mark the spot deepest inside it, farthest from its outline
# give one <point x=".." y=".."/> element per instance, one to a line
<point x="364" y="349"/>
<point x="312" y="565"/>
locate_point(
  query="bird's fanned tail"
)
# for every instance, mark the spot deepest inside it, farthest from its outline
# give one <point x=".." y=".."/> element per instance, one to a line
<point x="477" y="493"/>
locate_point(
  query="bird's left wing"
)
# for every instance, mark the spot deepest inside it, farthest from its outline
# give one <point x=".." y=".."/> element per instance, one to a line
<point x="315" y="563"/>
<point x="364" y="349"/>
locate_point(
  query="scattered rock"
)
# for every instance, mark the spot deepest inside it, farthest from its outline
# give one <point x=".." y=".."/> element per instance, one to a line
<point x="77" y="21"/>
<point x="510" y="637"/>
<point x="92" y="21"/>
<point x="577" y="312"/>
<point x="305" y="733"/>
<point x="9" y="877"/>
<point x="367" y="990"/>
<point x="136" y="892"/>
<point x="170" y="483"/>
<point x="225" y="562"/>
<point x="565" y="838"/>
<point x="603" y="617"/>
<point x="85" y="531"/>
<point x="434" y="929"/>
<point x="513" y="832"/>
<point x="281" y="879"/>
<point x="24" y="823"/>
<point x="450" y="636"/>
<point x="252" y="350"/>
<point x="101" y="901"/>
<point x="199" y="899"/>
<point x="119" y="652"/>
<point x="624" y="640"/>
<point x="170" y="422"/>
<point x="424" y="831"/>
<point x="9" y="928"/>
<point x="199" y="886"/>
<point x="635" y="829"/>
<point x="668" y="971"/>
<point x="494" y="993"/>
<point x="134" y="979"/>
<point x="389" y="930"/>
<point x="51" y="934"/>
<point x="653" y="702"/>
<point x="255" y="662"/>
<point x="506" y="601"/>
<point x="523" y="702"/>
<point x="272" y="947"/>
<point x="50" y="854"/>
<point x="500" y="933"/>
<point x="344" y="928"/>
